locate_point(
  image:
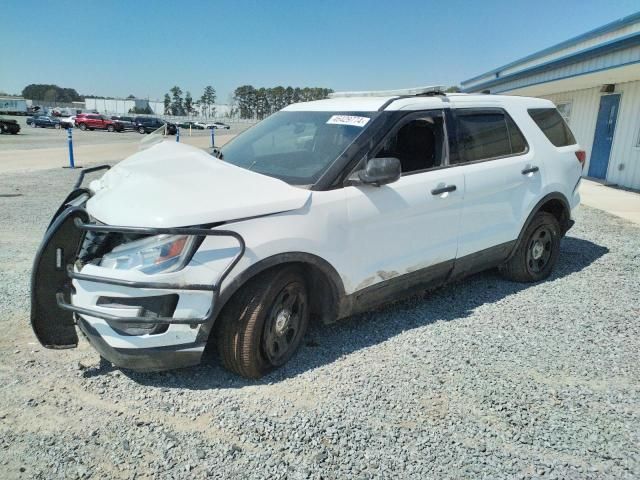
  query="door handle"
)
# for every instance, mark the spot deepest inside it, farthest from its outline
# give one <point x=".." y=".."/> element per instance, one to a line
<point x="441" y="190"/>
<point x="529" y="170"/>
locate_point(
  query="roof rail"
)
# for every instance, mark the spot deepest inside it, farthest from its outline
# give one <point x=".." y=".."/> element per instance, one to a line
<point x="404" y="92"/>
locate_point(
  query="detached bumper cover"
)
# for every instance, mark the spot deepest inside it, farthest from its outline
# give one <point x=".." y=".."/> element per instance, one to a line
<point x="144" y="359"/>
<point x="54" y="316"/>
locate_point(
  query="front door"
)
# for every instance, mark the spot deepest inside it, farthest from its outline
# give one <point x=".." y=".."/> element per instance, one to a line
<point x="407" y="229"/>
<point x="603" y="139"/>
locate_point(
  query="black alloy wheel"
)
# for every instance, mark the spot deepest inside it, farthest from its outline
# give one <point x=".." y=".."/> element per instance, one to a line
<point x="284" y="323"/>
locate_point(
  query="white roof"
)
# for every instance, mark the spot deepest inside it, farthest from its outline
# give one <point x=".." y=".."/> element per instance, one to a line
<point x="373" y="103"/>
<point x="350" y="104"/>
<point x="390" y="93"/>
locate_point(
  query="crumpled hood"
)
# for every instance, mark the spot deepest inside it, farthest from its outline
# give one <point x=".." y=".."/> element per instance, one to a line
<point x="175" y="185"/>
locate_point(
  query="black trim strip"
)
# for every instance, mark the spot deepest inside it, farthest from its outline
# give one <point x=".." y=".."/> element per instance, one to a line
<point x="118" y="319"/>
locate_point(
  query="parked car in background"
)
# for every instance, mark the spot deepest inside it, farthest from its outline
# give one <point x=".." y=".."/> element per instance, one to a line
<point x="93" y="121"/>
<point x="31" y="119"/>
<point x="68" y="122"/>
<point x="193" y="125"/>
<point x="123" y="123"/>
<point x="218" y="125"/>
<point x="8" y="125"/>
<point x="151" y="124"/>
<point x="43" y="121"/>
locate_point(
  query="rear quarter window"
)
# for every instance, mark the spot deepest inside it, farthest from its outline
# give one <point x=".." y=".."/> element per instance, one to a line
<point x="483" y="135"/>
<point x="553" y="126"/>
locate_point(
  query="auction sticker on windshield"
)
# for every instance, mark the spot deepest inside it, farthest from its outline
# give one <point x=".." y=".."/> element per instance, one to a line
<point x="351" y="120"/>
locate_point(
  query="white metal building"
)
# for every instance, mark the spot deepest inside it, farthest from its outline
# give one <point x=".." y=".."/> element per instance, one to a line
<point x="121" y="106"/>
<point x="594" y="79"/>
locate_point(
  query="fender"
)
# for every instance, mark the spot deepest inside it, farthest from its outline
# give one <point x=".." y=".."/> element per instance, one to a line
<point x="335" y="283"/>
<point x="550" y="196"/>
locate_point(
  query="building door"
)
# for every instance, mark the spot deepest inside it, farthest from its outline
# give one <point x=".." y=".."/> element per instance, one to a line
<point x="603" y="139"/>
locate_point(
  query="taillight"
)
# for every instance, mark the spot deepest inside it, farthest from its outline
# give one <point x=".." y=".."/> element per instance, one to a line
<point x="581" y="155"/>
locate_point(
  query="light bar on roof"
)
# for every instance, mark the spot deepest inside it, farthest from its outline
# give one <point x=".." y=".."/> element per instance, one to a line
<point x="391" y="93"/>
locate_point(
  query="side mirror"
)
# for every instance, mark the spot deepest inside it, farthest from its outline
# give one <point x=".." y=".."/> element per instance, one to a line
<point x="380" y="171"/>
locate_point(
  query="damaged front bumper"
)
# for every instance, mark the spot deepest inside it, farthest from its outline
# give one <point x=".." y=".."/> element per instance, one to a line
<point x="57" y="274"/>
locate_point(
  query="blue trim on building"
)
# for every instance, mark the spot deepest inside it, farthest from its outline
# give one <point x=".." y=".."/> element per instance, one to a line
<point x="602" y="49"/>
<point x="635" y="62"/>
<point x="615" y="25"/>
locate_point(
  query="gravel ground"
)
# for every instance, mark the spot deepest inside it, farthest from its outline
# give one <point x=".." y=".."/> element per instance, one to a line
<point x="483" y="379"/>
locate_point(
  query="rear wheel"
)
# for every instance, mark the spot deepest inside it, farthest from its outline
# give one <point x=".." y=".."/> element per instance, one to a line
<point x="110" y="128"/>
<point x="263" y="324"/>
<point x="538" y="251"/>
<point x="141" y="130"/>
<point x="57" y="126"/>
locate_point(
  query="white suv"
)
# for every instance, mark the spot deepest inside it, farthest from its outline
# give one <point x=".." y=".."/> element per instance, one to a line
<point x="322" y="210"/>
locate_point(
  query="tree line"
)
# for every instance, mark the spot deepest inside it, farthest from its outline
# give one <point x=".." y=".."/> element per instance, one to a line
<point x="51" y="93"/>
<point x="175" y="104"/>
<point x="54" y="93"/>
<point x="259" y="103"/>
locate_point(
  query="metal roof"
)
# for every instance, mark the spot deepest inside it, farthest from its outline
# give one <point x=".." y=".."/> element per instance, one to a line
<point x="609" y="27"/>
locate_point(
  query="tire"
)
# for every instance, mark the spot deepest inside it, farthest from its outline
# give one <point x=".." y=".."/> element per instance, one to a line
<point x="141" y="130"/>
<point x="537" y="253"/>
<point x="262" y="326"/>
<point x="83" y="127"/>
<point x="33" y="125"/>
<point x="3" y="129"/>
<point x="57" y="126"/>
<point x="111" y="129"/>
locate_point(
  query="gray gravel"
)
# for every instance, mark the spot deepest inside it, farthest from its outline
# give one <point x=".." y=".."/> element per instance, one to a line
<point x="482" y="379"/>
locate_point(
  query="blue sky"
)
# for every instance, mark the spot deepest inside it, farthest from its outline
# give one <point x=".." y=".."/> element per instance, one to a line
<point x="120" y="47"/>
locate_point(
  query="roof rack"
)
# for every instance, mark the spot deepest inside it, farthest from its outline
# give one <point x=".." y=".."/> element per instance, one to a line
<point x="403" y="92"/>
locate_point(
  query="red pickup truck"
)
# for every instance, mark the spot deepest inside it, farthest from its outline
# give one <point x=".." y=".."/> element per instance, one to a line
<point x="91" y="121"/>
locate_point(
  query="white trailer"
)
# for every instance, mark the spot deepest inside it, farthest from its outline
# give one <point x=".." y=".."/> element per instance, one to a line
<point x="13" y="106"/>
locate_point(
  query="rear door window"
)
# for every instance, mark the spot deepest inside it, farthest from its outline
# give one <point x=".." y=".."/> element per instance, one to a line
<point x="553" y="126"/>
<point x="484" y="134"/>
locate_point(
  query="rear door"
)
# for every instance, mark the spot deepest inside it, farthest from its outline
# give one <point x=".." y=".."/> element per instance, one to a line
<point x="407" y="229"/>
<point x="501" y="180"/>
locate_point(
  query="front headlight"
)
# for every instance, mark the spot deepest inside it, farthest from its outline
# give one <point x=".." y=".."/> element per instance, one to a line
<point x="161" y="253"/>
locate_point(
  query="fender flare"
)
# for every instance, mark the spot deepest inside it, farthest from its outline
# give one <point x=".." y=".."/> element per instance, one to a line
<point x="550" y="196"/>
<point x="334" y="280"/>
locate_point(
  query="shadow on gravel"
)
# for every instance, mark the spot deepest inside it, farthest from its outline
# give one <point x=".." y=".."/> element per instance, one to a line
<point x="325" y="344"/>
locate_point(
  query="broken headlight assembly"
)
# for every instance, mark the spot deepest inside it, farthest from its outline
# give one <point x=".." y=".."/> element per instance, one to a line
<point x="157" y="254"/>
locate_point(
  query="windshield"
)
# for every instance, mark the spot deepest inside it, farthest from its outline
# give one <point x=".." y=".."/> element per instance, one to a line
<point x="296" y="147"/>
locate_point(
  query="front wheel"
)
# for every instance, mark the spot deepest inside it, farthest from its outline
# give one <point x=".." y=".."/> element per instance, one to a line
<point x="538" y="251"/>
<point x="264" y="323"/>
<point x="83" y="127"/>
<point x="111" y="129"/>
<point x="33" y="125"/>
<point x="141" y="130"/>
<point x="57" y="126"/>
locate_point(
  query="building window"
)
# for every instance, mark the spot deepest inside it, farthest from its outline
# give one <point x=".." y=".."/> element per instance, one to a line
<point x="565" y="110"/>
